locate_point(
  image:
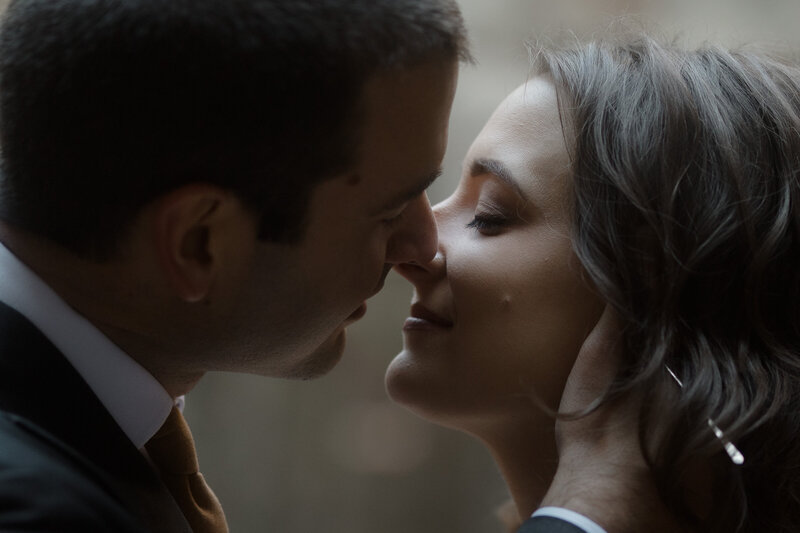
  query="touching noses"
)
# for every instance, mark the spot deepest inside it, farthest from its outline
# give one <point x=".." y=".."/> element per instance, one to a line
<point x="415" y="240"/>
<point x="430" y="269"/>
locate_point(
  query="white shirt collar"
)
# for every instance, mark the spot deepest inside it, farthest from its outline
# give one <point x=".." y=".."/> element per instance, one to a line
<point x="572" y="517"/>
<point x="133" y="397"/>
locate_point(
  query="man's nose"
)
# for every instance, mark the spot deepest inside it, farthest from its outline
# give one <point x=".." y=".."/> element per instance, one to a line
<point x="421" y="272"/>
<point x="416" y="239"/>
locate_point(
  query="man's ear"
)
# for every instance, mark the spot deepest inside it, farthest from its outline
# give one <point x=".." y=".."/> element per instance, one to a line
<point x="198" y="231"/>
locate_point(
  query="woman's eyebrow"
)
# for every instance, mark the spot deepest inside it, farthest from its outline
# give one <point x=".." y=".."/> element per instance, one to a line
<point x="483" y="166"/>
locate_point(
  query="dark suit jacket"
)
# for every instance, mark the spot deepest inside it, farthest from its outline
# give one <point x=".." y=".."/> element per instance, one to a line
<point x="65" y="465"/>
<point x="547" y="524"/>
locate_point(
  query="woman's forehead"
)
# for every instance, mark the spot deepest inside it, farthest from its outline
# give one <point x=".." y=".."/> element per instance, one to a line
<point x="525" y="135"/>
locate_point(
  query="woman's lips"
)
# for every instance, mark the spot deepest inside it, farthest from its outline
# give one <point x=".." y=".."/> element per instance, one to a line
<point x="423" y="318"/>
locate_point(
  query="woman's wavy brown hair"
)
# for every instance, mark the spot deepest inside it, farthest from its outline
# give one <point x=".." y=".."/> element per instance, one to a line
<point x="686" y="168"/>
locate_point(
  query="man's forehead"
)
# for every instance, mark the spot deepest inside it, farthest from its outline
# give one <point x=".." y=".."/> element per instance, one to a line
<point x="404" y="132"/>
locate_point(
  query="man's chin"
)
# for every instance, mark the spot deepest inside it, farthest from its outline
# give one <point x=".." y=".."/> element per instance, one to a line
<point x="322" y="360"/>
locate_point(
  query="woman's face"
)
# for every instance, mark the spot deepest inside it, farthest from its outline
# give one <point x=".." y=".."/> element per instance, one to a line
<point x="500" y="314"/>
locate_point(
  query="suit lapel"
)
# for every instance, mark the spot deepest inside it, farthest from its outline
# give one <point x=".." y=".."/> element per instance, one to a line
<point x="39" y="385"/>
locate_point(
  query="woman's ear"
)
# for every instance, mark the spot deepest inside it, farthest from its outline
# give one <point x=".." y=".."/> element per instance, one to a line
<point x="198" y="231"/>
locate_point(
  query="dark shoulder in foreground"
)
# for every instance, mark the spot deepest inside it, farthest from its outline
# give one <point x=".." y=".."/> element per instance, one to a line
<point x="44" y="487"/>
<point x="547" y="524"/>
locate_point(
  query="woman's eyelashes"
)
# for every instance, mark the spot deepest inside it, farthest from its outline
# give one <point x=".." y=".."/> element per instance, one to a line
<point x="488" y="224"/>
<point x="489" y="220"/>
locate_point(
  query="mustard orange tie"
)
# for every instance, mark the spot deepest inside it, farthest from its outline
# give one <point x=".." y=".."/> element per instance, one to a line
<point x="172" y="451"/>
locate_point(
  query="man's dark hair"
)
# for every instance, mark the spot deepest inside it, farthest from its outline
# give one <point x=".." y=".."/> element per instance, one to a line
<point x="105" y="105"/>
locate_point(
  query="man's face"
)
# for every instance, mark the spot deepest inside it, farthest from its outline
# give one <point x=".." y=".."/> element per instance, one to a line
<point x="292" y="311"/>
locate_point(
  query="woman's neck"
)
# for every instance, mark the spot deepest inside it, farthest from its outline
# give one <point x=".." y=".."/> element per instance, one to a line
<point x="527" y="457"/>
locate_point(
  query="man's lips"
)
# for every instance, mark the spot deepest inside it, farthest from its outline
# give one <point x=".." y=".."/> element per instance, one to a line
<point x="362" y="309"/>
<point x="422" y="318"/>
<point x="358" y="313"/>
<point x="386" y="269"/>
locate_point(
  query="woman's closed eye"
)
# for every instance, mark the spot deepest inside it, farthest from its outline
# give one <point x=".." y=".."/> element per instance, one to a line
<point x="489" y="220"/>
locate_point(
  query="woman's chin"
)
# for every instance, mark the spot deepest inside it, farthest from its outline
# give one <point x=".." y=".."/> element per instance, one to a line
<point x="436" y="395"/>
<point x="404" y="383"/>
<point x="414" y="386"/>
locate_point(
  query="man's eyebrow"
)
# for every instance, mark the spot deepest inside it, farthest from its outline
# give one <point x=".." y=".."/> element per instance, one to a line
<point x="410" y="194"/>
<point x="482" y="166"/>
